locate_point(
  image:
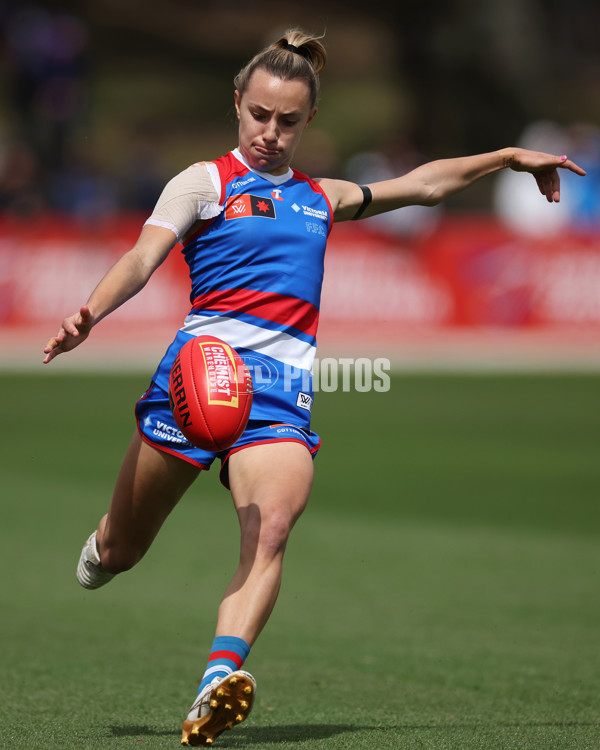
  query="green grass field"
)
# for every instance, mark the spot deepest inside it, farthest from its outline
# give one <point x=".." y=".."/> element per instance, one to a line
<point x="442" y="590"/>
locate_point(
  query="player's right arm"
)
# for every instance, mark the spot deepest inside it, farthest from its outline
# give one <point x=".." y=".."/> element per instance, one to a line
<point x="121" y="282"/>
<point x="188" y="200"/>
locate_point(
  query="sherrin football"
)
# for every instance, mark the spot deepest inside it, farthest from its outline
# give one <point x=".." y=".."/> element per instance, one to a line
<point x="210" y="392"/>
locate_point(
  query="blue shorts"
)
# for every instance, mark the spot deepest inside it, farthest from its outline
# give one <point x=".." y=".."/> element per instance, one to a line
<point x="157" y="427"/>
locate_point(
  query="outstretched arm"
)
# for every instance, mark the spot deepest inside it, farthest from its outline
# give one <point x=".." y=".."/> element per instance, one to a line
<point x="432" y="183"/>
<point x="125" y="279"/>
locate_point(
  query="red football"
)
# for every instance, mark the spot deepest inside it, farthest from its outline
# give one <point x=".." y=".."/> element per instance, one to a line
<point x="210" y="392"/>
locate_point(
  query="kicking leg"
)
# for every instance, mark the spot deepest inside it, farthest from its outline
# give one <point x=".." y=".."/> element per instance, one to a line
<point x="149" y="486"/>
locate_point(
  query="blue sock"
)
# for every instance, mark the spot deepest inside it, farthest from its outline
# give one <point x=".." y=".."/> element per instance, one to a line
<point x="227" y="654"/>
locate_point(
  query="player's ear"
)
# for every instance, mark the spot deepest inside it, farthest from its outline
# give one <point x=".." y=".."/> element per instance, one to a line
<point x="310" y="117"/>
<point x="237" y="99"/>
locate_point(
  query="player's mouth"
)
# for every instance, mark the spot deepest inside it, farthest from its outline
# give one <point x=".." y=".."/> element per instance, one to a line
<point x="268" y="152"/>
<point x="267" y="158"/>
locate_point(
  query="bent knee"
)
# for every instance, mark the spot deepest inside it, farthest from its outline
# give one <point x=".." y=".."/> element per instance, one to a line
<point x="274" y="536"/>
<point x="267" y="537"/>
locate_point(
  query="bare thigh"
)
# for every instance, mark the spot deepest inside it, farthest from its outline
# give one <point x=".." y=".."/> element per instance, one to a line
<point x="149" y="486"/>
<point x="270" y="485"/>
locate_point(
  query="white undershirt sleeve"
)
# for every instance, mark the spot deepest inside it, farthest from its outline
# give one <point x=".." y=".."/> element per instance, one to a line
<point x="190" y="196"/>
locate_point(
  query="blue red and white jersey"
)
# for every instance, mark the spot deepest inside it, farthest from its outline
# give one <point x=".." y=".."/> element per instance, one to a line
<point x="256" y="273"/>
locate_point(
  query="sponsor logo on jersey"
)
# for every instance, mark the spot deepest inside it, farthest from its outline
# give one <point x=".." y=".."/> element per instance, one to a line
<point x="241" y="183"/>
<point x="243" y="206"/>
<point x="168" y="433"/>
<point x="163" y="431"/>
<point x="276" y="194"/>
<point x="315" y="213"/>
<point x="304" y="401"/>
<point x="286" y="430"/>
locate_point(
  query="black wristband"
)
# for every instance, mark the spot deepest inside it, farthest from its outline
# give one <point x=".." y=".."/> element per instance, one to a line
<point x="368" y="197"/>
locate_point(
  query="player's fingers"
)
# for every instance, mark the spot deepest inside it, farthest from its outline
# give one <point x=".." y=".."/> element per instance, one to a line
<point x="62" y="334"/>
<point x="547" y="184"/>
<point x="541" y="183"/>
<point x="568" y="164"/>
<point x="85" y="316"/>
<point x="554" y="185"/>
<point x="70" y="326"/>
<point x="56" y="341"/>
<point x="83" y="320"/>
<point x="51" y="350"/>
<point x="52" y="355"/>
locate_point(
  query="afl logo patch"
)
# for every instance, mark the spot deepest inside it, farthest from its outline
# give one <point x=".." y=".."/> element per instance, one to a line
<point x="243" y="206"/>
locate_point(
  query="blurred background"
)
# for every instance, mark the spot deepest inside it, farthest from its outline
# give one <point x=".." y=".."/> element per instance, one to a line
<point x="102" y="102"/>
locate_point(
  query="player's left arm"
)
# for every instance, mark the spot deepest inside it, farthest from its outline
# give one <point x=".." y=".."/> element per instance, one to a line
<point x="431" y="183"/>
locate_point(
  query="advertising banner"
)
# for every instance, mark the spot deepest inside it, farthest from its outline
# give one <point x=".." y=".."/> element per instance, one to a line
<point x="471" y="274"/>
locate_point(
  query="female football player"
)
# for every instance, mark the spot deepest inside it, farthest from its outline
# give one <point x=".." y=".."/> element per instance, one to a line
<point x="254" y="233"/>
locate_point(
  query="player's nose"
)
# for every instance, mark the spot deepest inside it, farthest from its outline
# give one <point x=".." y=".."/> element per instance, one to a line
<point x="271" y="132"/>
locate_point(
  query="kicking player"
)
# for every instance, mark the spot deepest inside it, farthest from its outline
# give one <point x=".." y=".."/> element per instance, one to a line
<point x="254" y="233"/>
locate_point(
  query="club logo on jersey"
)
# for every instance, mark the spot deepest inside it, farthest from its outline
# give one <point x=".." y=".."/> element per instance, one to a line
<point x="242" y="206"/>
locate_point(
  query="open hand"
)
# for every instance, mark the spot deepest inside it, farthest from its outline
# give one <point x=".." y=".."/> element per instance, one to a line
<point x="73" y="331"/>
<point x="544" y="167"/>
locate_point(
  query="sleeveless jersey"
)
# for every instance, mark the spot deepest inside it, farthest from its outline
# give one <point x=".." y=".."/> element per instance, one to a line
<point x="256" y="273"/>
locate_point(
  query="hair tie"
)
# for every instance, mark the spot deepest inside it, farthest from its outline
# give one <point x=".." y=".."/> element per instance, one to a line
<point x="291" y="47"/>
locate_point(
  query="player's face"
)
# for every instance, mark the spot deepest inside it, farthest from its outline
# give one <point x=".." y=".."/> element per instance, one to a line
<point x="273" y="114"/>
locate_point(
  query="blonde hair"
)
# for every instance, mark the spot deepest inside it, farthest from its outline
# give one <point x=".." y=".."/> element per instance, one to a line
<point x="294" y="55"/>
